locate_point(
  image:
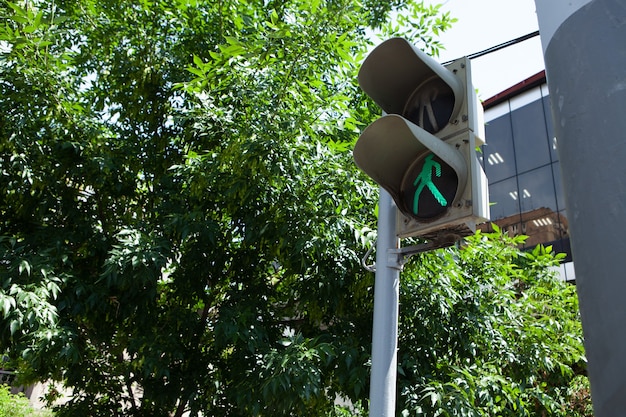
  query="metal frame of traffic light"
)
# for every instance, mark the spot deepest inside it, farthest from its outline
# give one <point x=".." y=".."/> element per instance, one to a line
<point x="394" y="75"/>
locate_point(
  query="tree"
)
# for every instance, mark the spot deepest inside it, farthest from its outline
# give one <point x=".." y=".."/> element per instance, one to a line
<point x="181" y="222"/>
<point x="489" y="330"/>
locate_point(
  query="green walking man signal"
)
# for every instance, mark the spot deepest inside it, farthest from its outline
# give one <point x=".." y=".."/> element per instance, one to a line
<point x="428" y="188"/>
<point x="425" y="179"/>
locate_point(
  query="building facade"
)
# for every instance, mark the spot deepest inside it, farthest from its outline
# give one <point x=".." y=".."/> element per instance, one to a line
<point x="522" y="166"/>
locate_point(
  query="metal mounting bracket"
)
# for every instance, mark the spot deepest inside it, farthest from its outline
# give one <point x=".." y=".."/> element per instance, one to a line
<point x="397" y="258"/>
<point x="402" y="255"/>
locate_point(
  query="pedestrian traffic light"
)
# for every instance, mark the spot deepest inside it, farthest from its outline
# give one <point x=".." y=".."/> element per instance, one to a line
<point x="423" y="149"/>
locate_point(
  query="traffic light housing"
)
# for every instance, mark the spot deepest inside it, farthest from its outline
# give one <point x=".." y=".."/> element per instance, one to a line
<point x="423" y="149"/>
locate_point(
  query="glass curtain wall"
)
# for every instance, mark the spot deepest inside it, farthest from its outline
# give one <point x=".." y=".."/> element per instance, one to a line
<point x="521" y="163"/>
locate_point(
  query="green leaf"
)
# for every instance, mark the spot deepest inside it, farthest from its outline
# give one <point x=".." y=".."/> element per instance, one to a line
<point x="8" y="303"/>
<point x="14" y="326"/>
<point x="24" y="266"/>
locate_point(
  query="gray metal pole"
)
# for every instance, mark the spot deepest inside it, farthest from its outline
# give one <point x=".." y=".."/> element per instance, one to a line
<point x="584" y="44"/>
<point x="386" y="299"/>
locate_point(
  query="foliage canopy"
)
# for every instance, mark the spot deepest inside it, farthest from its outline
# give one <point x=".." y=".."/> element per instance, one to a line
<point x="490" y="331"/>
<point x="182" y="223"/>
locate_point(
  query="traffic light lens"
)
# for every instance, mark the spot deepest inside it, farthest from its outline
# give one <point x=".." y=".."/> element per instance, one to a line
<point x="431" y="105"/>
<point x="428" y="188"/>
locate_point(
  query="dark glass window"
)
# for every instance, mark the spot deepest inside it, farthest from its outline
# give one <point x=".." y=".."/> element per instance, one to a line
<point x="521" y="162"/>
<point x="540" y="217"/>
<point x="536" y="190"/>
<point x="552" y="141"/>
<point x="498" y="155"/>
<point x="530" y="136"/>
<point x="504" y="199"/>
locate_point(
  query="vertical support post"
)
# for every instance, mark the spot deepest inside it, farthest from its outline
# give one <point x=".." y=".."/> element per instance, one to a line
<point x="583" y="43"/>
<point x="386" y="300"/>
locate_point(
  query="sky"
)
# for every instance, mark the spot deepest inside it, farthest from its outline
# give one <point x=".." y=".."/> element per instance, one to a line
<point x="485" y="23"/>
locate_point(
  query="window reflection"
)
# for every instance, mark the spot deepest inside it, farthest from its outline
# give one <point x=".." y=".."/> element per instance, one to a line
<point x="550" y="130"/>
<point x="530" y="136"/>
<point x="542" y="225"/>
<point x="537" y="189"/>
<point x="495" y="159"/>
<point x="520" y="160"/>
<point x="504" y="200"/>
<point x="498" y="152"/>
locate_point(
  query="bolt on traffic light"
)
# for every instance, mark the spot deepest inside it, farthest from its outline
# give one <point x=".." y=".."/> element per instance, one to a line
<point x="423" y="149"/>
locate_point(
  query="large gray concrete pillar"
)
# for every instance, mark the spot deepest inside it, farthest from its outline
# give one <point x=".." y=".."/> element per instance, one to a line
<point x="584" y="45"/>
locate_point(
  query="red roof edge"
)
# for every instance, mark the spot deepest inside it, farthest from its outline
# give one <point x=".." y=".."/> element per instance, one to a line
<point x="527" y="84"/>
